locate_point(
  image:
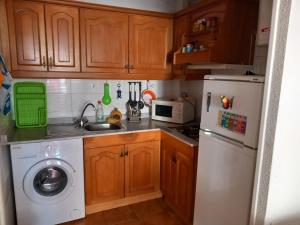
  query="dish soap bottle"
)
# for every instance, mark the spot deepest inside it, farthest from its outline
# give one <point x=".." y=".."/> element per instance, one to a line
<point x="99" y="113"/>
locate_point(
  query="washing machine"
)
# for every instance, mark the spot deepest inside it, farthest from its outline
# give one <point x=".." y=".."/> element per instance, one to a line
<point x="48" y="181"/>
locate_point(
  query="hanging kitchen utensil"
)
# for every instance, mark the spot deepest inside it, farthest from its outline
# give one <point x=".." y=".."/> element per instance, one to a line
<point x="106" y="99"/>
<point x="130" y="97"/>
<point x="148" y="96"/>
<point x="140" y="102"/>
<point x="134" y="102"/>
<point x="119" y="92"/>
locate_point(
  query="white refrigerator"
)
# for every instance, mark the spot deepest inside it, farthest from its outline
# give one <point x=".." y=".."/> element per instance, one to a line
<point x="228" y="141"/>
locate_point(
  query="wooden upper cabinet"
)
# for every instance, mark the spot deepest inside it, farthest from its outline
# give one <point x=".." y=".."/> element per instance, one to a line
<point x="104" y="174"/>
<point x="104" y="41"/>
<point x="150" y="42"/>
<point x="181" y="29"/>
<point x="27" y="35"/>
<point x="62" y="29"/>
<point x="142" y="168"/>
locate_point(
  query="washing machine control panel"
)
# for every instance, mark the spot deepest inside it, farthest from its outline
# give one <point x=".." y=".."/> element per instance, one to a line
<point x="50" y="150"/>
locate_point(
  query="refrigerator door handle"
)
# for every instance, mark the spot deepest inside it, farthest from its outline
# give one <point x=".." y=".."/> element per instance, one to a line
<point x="222" y="138"/>
<point x="208" y="100"/>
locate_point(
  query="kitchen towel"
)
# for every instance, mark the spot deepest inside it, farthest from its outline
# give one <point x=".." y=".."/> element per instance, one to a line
<point x="6" y="83"/>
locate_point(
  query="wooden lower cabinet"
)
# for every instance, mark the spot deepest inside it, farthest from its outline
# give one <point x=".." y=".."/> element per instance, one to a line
<point x="142" y="168"/>
<point x="121" y="169"/>
<point x="104" y="170"/>
<point x="178" y="176"/>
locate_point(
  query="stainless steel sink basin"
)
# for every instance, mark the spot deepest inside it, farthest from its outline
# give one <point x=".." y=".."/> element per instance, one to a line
<point x="101" y="127"/>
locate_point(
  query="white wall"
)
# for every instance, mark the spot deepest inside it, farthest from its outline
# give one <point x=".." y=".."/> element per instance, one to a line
<point x="276" y="194"/>
<point x="283" y="205"/>
<point x="153" y="5"/>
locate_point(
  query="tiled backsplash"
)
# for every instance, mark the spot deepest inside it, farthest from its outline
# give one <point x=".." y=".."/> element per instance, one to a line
<point x="67" y="97"/>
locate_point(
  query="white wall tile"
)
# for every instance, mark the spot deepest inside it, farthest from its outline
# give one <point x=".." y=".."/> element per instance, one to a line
<point x="59" y="105"/>
<point x="86" y="86"/>
<point x="58" y="86"/>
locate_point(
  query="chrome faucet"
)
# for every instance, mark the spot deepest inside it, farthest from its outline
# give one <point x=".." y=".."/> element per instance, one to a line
<point x="81" y="121"/>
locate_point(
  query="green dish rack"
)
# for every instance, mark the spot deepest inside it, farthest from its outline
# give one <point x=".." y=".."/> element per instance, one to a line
<point x="30" y="104"/>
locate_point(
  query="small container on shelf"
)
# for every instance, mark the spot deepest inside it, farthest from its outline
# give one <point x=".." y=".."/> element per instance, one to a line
<point x="189" y="48"/>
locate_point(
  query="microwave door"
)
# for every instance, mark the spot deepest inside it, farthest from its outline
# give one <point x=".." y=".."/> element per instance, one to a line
<point x="232" y="109"/>
<point x="163" y="110"/>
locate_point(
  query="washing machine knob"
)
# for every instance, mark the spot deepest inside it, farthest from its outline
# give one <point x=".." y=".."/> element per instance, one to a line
<point x="48" y="148"/>
<point x="76" y="214"/>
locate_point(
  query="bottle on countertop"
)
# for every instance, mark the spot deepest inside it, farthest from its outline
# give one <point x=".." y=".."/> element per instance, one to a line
<point x="99" y="112"/>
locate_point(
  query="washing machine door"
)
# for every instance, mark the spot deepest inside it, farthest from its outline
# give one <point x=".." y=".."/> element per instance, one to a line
<point x="49" y="181"/>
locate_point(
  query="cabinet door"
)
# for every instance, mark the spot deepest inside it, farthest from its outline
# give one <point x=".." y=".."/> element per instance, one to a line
<point x="178" y="176"/>
<point x="181" y="29"/>
<point x="27" y="35"/>
<point x="104" y="41"/>
<point x="169" y="172"/>
<point x="142" y="168"/>
<point x="62" y="25"/>
<point x="104" y="174"/>
<point x="184" y="185"/>
<point x="150" y="41"/>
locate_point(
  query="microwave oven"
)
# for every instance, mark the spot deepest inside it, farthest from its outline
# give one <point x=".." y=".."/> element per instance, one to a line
<point x="173" y="111"/>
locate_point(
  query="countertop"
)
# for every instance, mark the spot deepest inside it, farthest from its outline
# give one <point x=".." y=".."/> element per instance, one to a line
<point x="63" y="130"/>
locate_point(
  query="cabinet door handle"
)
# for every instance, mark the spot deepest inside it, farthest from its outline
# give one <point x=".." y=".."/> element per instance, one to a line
<point x="50" y="62"/>
<point x="122" y="153"/>
<point x="44" y="61"/>
<point x="131" y="67"/>
<point x="126" y="66"/>
<point x="208" y="100"/>
<point x="126" y="152"/>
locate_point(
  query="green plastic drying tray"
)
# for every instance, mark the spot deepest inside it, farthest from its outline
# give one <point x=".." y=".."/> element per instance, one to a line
<point x="30" y="104"/>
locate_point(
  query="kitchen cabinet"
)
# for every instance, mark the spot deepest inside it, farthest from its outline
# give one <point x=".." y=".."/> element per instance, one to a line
<point x="112" y="42"/>
<point x="150" y="42"/>
<point x="104" y="41"/>
<point x="4" y="37"/>
<point x="222" y="32"/>
<point x="179" y="162"/>
<point x="62" y="31"/>
<point x="104" y="174"/>
<point x="29" y="28"/>
<point x="142" y="168"/>
<point x="27" y="36"/>
<point x="121" y="169"/>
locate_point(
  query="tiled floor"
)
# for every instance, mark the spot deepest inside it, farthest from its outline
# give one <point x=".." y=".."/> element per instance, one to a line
<point x="153" y="212"/>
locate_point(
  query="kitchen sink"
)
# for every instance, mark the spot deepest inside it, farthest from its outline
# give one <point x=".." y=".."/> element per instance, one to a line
<point x="101" y="127"/>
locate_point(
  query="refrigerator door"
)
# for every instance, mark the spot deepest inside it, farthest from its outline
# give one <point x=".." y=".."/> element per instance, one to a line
<point x="232" y="108"/>
<point x="224" y="181"/>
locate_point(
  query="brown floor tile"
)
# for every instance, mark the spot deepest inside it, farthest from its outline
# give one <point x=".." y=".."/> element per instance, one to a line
<point x="120" y="215"/>
<point x="160" y="219"/>
<point x="149" y="208"/>
<point x="154" y="212"/>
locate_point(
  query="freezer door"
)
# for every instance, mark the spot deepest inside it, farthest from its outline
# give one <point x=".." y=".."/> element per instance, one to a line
<point x="224" y="182"/>
<point x="232" y="109"/>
